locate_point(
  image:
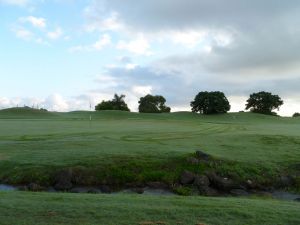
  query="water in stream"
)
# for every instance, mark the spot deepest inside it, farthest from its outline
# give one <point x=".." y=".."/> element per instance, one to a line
<point x="280" y="195"/>
<point x="4" y="187"/>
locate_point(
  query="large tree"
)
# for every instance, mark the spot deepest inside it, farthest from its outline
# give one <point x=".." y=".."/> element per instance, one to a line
<point x="296" y="114"/>
<point x="263" y="102"/>
<point x="117" y="103"/>
<point x="210" y="103"/>
<point x="153" y="104"/>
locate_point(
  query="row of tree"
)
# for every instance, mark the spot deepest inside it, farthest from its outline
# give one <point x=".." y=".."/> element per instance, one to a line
<point x="205" y="103"/>
<point x="147" y="104"/>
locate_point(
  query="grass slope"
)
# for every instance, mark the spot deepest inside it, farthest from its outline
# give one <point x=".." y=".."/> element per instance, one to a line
<point x="35" y="143"/>
<point x="25" y="112"/>
<point x="87" y="209"/>
<point x="141" y="147"/>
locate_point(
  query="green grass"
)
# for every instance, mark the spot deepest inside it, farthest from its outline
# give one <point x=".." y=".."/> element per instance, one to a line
<point x="34" y="144"/>
<point x="120" y="147"/>
<point x="88" y="209"/>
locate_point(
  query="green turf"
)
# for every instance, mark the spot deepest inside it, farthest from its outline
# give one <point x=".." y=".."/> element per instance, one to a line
<point x="32" y="142"/>
<point x="132" y="146"/>
<point x="67" y="138"/>
<point x="88" y="209"/>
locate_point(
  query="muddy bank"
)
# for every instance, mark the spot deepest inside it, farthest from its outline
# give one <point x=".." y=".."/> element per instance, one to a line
<point x="195" y="174"/>
<point x="93" y="190"/>
<point x="280" y="195"/>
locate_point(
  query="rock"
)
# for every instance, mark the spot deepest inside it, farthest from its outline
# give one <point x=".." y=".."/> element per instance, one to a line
<point x="134" y="185"/>
<point x="187" y="177"/>
<point x="250" y="184"/>
<point x="221" y="183"/>
<point x="23" y="188"/>
<point x="297" y="199"/>
<point x="286" y="181"/>
<point x="139" y="190"/>
<point x="254" y="185"/>
<point x="77" y="190"/>
<point x="157" y="185"/>
<point x="201" y="181"/>
<point x="105" y="189"/>
<point x="193" y="160"/>
<point x="35" y="187"/>
<point x="208" y="191"/>
<point x="93" y="191"/>
<point x="50" y="189"/>
<point x="63" y="180"/>
<point x="264" y="194"/>
<point x="239" y="192"/>
<point x="202" y="155"/>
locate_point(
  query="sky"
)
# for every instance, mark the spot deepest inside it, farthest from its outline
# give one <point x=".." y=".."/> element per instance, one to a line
<point x="65" y="54"/>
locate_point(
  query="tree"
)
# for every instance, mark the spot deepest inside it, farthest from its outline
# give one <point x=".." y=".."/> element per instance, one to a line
<point x="153" y="104"/>
<point x="210" y="103"/>
<point x="296" y="115"/>
<point x="117" y="103"/>
<point x="263" y="102"/>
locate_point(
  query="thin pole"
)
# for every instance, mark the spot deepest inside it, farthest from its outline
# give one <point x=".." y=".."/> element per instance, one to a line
<point x="90" y="114"/>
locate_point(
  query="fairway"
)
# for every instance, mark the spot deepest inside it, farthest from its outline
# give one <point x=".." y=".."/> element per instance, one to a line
<point x="34" y="143"/>
<point x="66" y="139"/>
<point x="88" y="209"/>
<point x="117" y="148"/>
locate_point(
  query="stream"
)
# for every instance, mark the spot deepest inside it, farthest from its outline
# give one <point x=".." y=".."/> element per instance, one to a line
<point x="280" y="195"/>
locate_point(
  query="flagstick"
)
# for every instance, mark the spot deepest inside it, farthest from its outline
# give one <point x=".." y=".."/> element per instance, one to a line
<point x="90" y="115"/>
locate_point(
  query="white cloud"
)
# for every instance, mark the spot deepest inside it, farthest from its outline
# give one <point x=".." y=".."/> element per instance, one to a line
<point x="35" y="29"/>
<point x="27" y="35"/>
<point x="124" y="59"/>
<point x="5" y="102"/>
<point x="289" y="107"/>
<point x="38" y="22"/>
<point x="237" y="103"/>
<point x="109" y="23"/>
<point x="105" y="81"/>
<point x="57" y="33"/>
<point x="56" y="102"/>
<point x="104" y="40"/>
<point x="189" y="38"/>
<point x="131" y="66"/>
<point x="112" y="23"/>
<point x="139" y="46"/>
<point x="142" y="90"/>
<point x="42" y="41"/>
<point x="23" y="33"/>
<point x="19" y="102"/>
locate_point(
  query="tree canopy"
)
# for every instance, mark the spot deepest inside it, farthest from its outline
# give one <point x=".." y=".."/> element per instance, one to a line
<point x="296" y="114"/>
<point x="153" y="104"/>
<point x="263" y="102"/>
<point x="210" y="103"/>
<point x="117" y="103"/>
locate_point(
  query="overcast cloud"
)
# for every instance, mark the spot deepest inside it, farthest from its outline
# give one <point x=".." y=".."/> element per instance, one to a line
<point x="262" y="53"/>
<point x="180" y="47"/>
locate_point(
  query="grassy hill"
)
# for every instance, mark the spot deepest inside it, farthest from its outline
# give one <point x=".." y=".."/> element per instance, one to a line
<point x="121" y="147"/>
<point x="25" y="112"/>
<point x="33" y="143"/>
